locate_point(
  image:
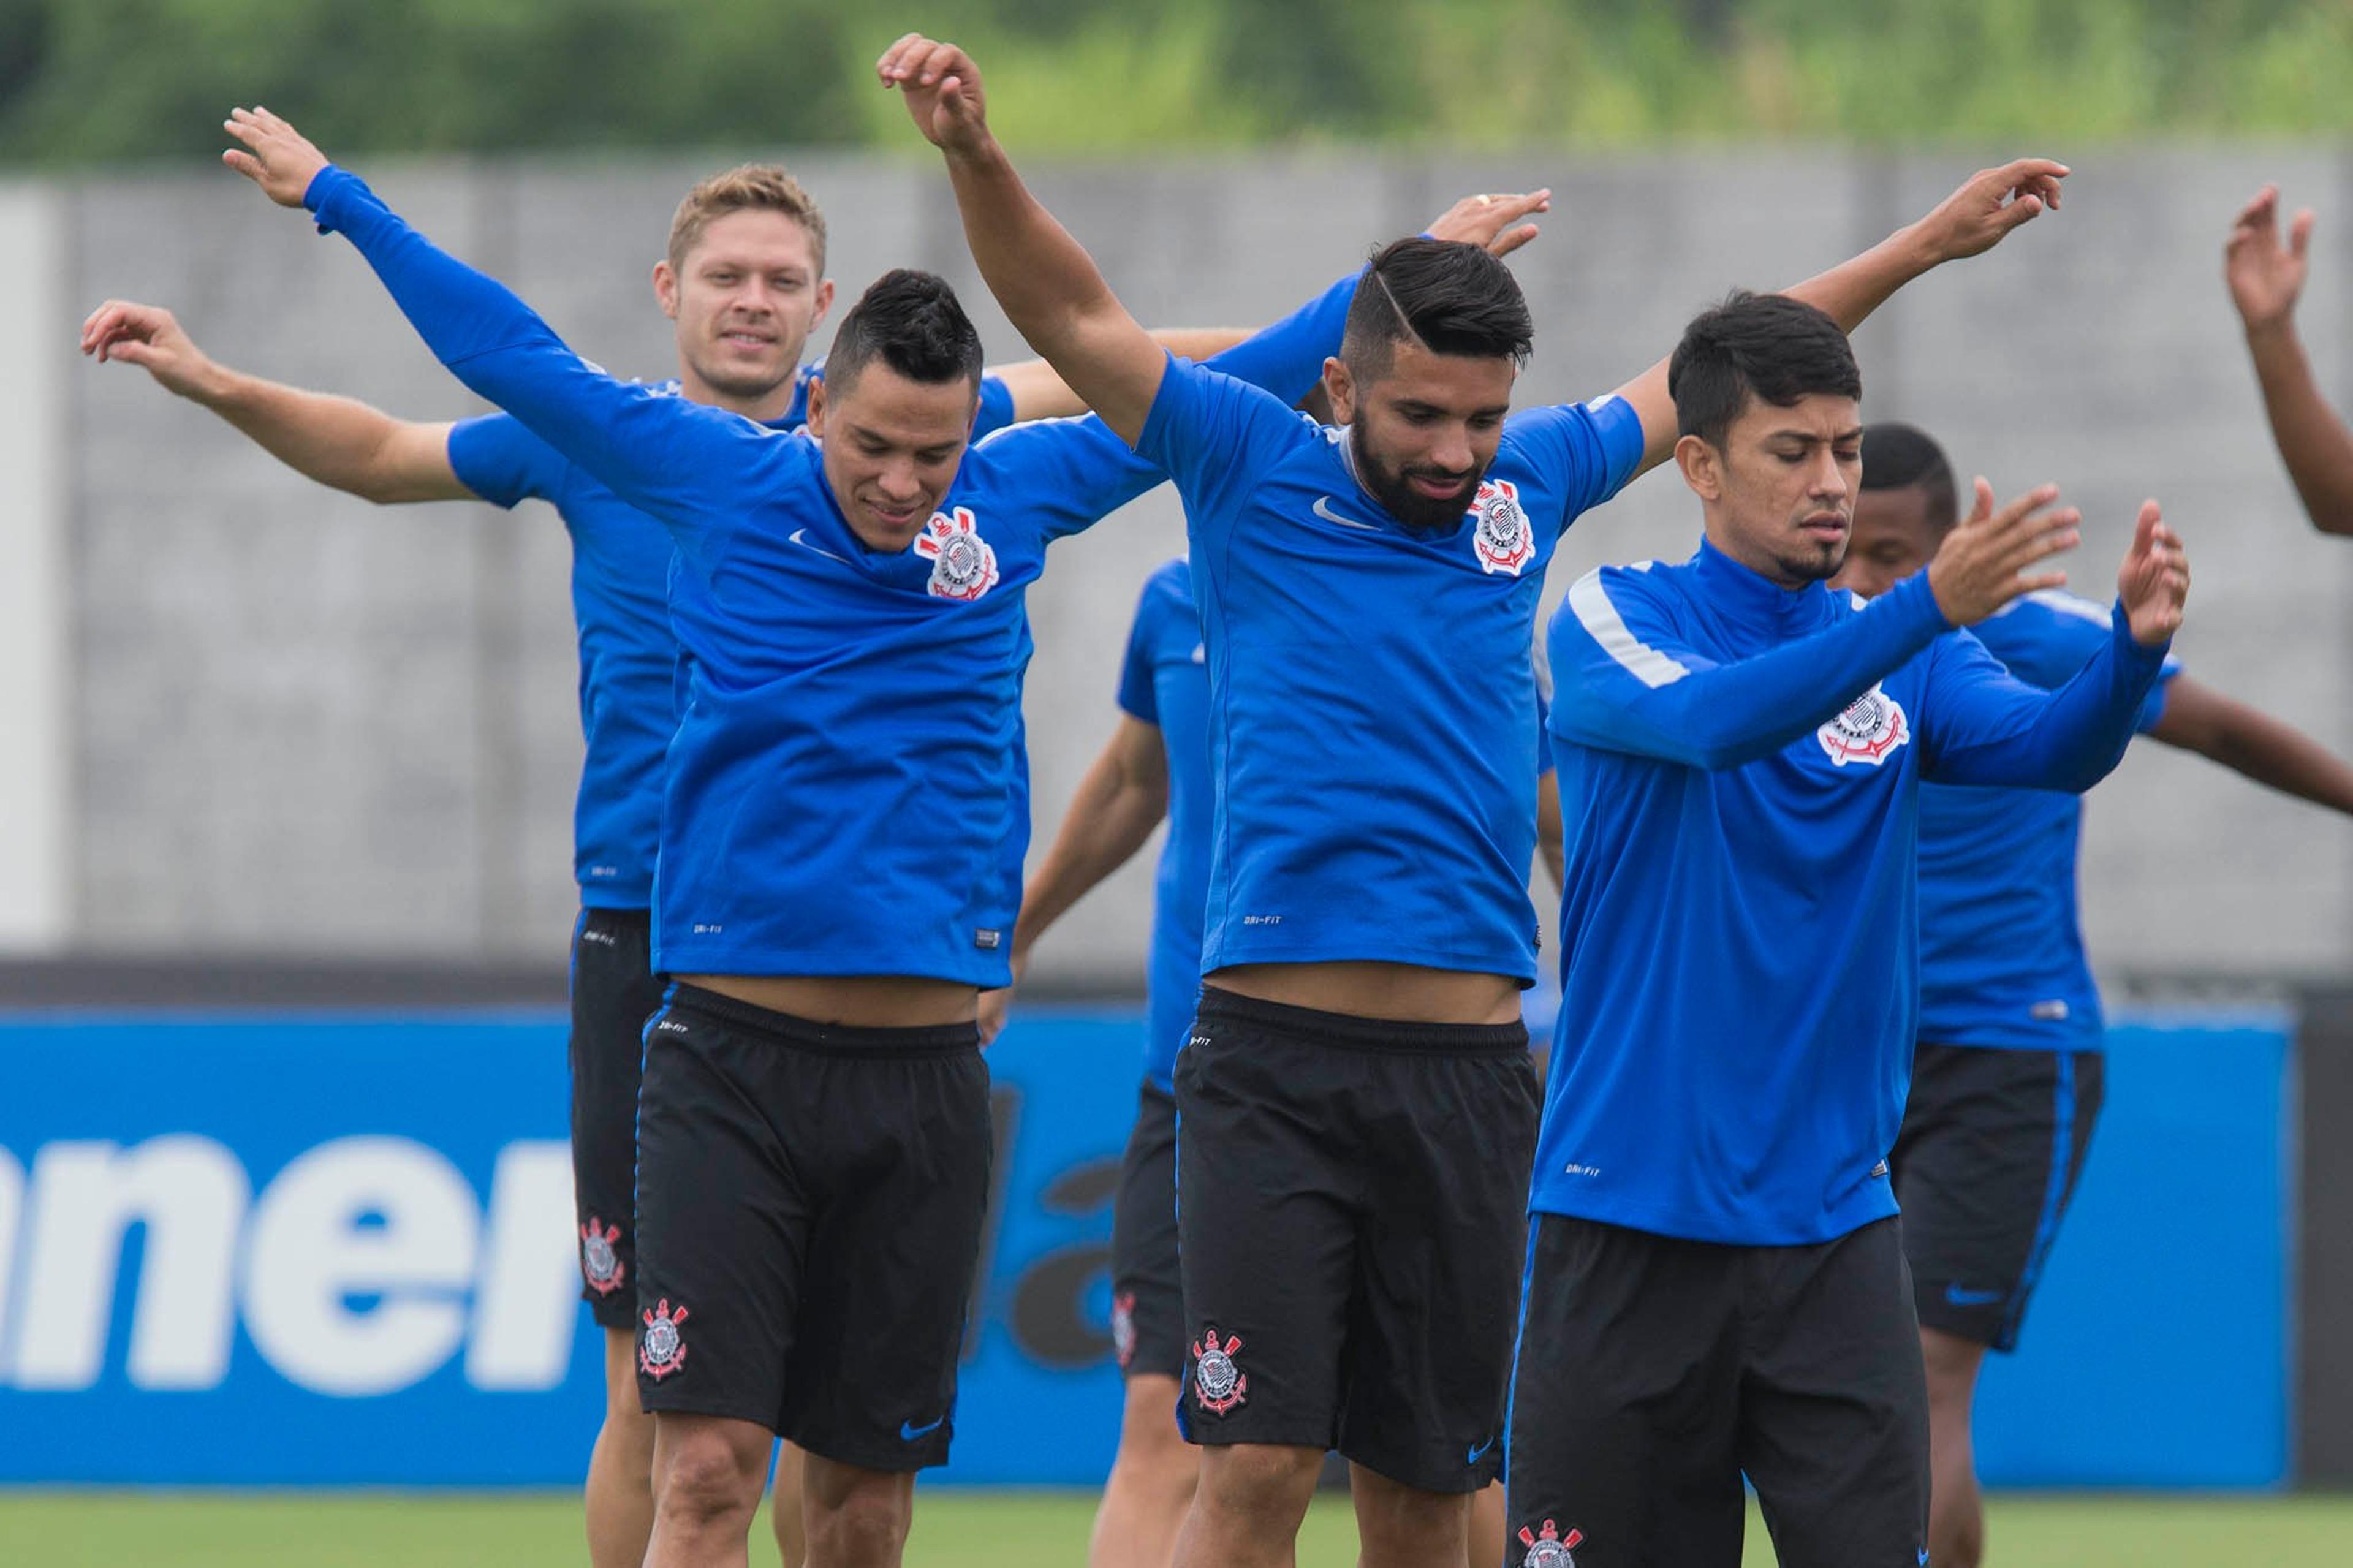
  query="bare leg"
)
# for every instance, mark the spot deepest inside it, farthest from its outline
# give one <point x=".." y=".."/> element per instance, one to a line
<point x="708" y="1475"/>
<point x="1955" y="1510"/>
<point x="792" y="1534"/>
<point x="621" y="1465"/>
<point x="1152" y="1482"/>
<point x="1487" y="1529"/>
<point x="1247" y="1511"/>
<point x="856" y="1518"/>
<point x="1398" y="1526"/>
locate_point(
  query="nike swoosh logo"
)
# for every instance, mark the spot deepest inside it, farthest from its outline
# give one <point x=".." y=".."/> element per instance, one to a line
<point x="1923" y="1557"/>
<point x="908" y="1431"/>
<point x="1480" y="1452"/>
<point x="800" y="537"/>
<point x="1960" y="1298"/>
<point x="1322" y="509"/>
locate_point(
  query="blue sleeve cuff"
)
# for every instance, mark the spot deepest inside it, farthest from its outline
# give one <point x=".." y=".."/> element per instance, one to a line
<point x="2159" y="656"/>
<point x="321" y="190"/>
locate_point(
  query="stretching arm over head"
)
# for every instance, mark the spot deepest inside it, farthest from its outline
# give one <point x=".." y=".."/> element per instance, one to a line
<point x="2266" y="278"/>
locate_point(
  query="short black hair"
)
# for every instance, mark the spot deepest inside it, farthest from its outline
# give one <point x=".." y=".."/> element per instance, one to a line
<point x="1765" y="346"/>
<point x="1900" y="457"/>
<point x="910" y="321"/>
<point x="1451" y="297"/>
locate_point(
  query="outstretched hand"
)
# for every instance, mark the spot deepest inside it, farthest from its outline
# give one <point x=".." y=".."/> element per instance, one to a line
<point x="149" y="337"/>
<point x="1493" y="222"/>
<point x="2266" y="277"/>
<point x="275" y="156"/>
<point x="1981" y="565"/>
<point x="1990" y="204"/>
<point x="943" y="90"/>
<point x="2154" y="581"/>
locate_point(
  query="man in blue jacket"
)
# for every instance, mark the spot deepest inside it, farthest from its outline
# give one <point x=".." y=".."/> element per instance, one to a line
<point x="1715" y="1284"/>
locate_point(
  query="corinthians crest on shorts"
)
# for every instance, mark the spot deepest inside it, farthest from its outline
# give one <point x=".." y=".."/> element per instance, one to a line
<point x="661" y="1349"/>
<point x="1218" y="1383"/>
<point x="1548" y="1548"/>
<point x="600" y="1266"/>
<point x="1122" y="1326"/>
<point x="1502" y="541"/>
<point x="963" y="564"/>
<point x="1869" y="730"/>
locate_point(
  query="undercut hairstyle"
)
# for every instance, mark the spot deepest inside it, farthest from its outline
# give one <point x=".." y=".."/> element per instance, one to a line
<point x="747" y="187"/>
<point x="1769" y="347"/>
<point x="1899" y="456"/>
<point x="1449" y="298"/>
<point x="911" y="322"/>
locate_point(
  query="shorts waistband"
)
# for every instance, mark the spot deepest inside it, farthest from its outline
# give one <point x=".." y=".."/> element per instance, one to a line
<point x="1348" y="1032"/>
<point x="824" y="1039"/>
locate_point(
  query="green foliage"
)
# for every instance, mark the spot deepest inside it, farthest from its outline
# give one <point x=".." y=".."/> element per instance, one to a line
<point x="85" y="80"/>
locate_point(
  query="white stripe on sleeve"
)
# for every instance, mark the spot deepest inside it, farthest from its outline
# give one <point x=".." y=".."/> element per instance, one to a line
<point x="1602" y="623"/>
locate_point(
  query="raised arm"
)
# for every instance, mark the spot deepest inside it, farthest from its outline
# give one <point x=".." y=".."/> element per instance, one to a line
<point x="1039" y="393"/>
<point x="337" y="441"/>
<point x="673" y="459"/>
<point x="1972" y="220"/>
<point x="2253" y="743"/>
<point x="1045" y="283"/>
<point x="1626" y="680"/>
<point x="1985" y="726"/>
<point x="2265" y="278"/>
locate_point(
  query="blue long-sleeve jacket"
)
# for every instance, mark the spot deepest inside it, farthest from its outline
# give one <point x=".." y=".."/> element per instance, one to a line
<point x="1739" y="775"/>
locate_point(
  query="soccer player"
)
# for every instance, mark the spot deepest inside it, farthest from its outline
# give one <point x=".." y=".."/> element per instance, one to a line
<point x="1355" y="1099"/>
<point x="844" y="814"/>
<point x="1715" y="1280"/>
<point x="2265" y="278"/>
<point x="742" y="281"/>
<point x="2006" y="1079"/>
<point x="1155" y="766"/>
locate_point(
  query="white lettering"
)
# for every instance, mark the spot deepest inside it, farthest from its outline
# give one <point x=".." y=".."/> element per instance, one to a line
<point x="188" y="1193"/>
<point x="361" y="1216"/>
<point x="528" y="1303"/>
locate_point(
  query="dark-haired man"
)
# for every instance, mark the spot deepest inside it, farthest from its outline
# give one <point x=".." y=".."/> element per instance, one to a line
<point x="843" y="819"/>
<point x="1355" y="1099"/>
<point x="743" y="282"/>
<point x="2006" y="1079"/>
<point x="1714" y="1283"/>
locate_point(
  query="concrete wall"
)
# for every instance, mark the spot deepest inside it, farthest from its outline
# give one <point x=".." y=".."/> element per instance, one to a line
<point x="293" y="723"/>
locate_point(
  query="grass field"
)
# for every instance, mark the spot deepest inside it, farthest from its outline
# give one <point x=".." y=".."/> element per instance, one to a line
<point x="1010" y="1529"/>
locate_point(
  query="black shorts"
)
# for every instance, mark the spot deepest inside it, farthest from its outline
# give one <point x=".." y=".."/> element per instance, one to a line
<point x="1147" y="1302"/>
<point x="1352" y="1196"/>
<point x="809" y="1202"/>
<point x="1654" y="1372"/>
<point x="1993" y="1143"/>
<point x="614" y="997"/>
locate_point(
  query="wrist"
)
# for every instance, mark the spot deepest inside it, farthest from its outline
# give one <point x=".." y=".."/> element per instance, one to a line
<point x="1916" y="249"/>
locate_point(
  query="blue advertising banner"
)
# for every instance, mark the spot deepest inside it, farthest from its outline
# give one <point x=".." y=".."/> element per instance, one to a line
<point x="340" y="1250"/>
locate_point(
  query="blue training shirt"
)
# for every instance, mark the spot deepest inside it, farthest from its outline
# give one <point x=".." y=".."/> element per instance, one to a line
<point x="847" y="793"/>
<point x="620" y="610"/>
<point x="2002" y="950"/>
<point x="1164" y="682"/>
<point x="1373" y="704"/>
<point x="1740" y="765"/>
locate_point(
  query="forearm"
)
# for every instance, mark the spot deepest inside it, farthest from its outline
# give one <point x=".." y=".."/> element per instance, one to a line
<point x="2070" y="739"/>
<point x="336" y="441"/>
<point x="2313" y="441"/>
<point x="1109" y="820"/>
<point x="2278" y="755"/>
<point x="1849" y="292"/>
<point x="1725" y="715"/>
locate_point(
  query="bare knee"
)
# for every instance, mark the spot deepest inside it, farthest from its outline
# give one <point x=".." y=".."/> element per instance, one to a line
<point x="856" y="1516"/>
<point x="708" y="1469"/>
<point x="1952" y="1364"/>
<point x="1151" y="1450"/>
<point x="1403" y="1523"/>
<point x="1270" y="1482"/>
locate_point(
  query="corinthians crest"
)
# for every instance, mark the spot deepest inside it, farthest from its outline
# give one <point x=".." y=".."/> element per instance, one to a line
<point x="1218" y="1383"/>
<point x="1548" y="1548"/>
<point x="661" y="1349"/>
<point x="599" y="1264"/>
<point x="963" y="565"/>
<point x="1502" y="541"/>
<point x="1870" y="729"/>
